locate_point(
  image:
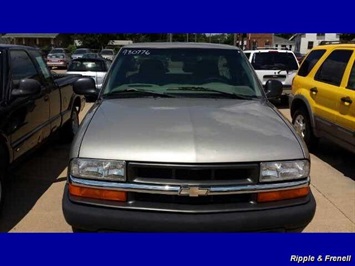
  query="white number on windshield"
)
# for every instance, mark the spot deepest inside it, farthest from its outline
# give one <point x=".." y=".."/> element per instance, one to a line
<point x="135" y="52"/>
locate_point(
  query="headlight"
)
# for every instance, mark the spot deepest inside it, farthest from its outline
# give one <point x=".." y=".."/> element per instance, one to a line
<point x="281" y="171"/>
<point x="98" y="169"/>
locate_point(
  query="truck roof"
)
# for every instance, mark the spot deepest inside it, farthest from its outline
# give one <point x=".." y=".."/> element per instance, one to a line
<point x="168" y="45"/>
<point x="7" y="46"/>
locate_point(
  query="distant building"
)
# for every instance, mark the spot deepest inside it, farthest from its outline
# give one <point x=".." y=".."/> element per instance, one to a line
<point x="3" y="40"/>
<point x="282" y="43"/>
<point x="119" y="42"/>
<point x="304" y="42"/>
<point x="252" y="41"/>
<point x="32" y="39"/>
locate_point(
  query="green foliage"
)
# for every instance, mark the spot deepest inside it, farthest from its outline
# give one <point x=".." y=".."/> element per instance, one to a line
<point x="71" y="48"/>
<point x="345" y="37"/>
<point x="46" y="49"/>
<point x="94" y="41"/>
<point x="65" y="39"/>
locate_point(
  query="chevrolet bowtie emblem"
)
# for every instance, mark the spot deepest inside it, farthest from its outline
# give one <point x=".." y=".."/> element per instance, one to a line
<point x="193" y="191"/>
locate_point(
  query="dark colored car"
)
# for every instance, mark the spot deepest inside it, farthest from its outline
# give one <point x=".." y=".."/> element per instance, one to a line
<point x="80" y="52"/>
<point x="34" y="104"/>
<point x="92" y="56"/>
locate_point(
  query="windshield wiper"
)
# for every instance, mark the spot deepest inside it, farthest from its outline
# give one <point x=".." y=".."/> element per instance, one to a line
<point x="228" y="94"/>
<point x="138" y="91"/>
<point x="283" y="68"/>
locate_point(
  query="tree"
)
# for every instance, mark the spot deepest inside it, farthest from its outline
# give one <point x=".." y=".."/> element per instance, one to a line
<point x="345" y="37"/>
<point x="94" y="41"/>
<point x="65" y="39"/>
<point x="229" y="39"/>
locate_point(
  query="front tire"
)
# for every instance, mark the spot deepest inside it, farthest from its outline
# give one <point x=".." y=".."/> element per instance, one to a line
<point x="1" y="193"/>
<point x="302" y="124"/>
<point x="3" y="170"/>
<point x="71" y="127"/>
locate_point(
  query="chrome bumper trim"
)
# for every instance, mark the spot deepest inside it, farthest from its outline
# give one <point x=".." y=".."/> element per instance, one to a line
<point x="178" y="190"/>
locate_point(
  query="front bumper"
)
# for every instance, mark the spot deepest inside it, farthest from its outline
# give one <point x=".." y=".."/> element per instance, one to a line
<point x="94" y="218"/>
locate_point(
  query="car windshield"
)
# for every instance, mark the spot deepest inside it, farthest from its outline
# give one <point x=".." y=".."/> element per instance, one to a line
<point x="274" y="61"/>
<point x="91" y="55"/>
<point x="187" y="72"/>
<point x="81" y="51"/>
<point x="107" y="52"/>
<point x="56" y="55"/>
<point x="83" y="66"/>
<point x="56" y="51"/>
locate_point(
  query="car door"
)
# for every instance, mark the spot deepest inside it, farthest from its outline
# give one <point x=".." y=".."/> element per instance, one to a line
<point x="345" y="118"/>
<point x="29" y="115"/>
<point x="54" y="93"/>
<point x="325" y="89"/>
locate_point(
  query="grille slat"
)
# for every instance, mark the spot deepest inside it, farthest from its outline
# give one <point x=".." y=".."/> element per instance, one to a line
<point x="239" y="173"/>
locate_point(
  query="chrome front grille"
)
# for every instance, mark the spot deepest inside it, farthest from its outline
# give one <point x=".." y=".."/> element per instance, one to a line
<point x="199" y="176"/>
<point x="194" y="174"/>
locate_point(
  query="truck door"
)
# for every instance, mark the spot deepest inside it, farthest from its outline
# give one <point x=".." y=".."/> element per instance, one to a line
<point x="30" y="115"/>
<point x="55" y="107"/>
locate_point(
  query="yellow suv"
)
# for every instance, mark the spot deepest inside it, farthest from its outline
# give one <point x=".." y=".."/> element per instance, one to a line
<point x="322" y="102"/>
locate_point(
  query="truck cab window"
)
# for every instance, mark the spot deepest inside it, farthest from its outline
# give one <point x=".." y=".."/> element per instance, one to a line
<point x="22" y="67"/>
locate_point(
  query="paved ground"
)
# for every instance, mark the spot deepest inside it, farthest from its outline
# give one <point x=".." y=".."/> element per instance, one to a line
<point x="33" y="199"/>
<point x="333" y="185"/>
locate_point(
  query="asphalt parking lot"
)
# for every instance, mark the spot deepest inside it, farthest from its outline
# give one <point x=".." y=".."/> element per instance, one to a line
<point x="33" y="198"/>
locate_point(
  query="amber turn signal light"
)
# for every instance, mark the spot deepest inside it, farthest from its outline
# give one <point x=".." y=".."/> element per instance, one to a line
<point x="95" y="193"/>
<point x="282" y="194"/>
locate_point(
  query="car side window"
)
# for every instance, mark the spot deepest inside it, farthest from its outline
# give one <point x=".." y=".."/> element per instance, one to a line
<point x="332" y="69"/>
<point x="351" y="81"/>
<point x="22" y="67"/>
<point x="309" y="62"/>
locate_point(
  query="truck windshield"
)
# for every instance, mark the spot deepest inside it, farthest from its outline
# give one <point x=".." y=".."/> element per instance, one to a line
<point x="170" y="69"/>
<point x="87" y="65"/>
<point x="81" y="51"/>
<point x="107" y="52"/>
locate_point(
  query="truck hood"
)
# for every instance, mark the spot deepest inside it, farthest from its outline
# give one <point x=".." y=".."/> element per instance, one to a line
<point x="188" y="131"/>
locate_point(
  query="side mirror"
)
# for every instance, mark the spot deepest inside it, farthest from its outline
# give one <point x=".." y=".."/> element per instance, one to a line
<point x="86" y="87"/>
<point x="273" y="89"/>
<point x="27" y="87"/>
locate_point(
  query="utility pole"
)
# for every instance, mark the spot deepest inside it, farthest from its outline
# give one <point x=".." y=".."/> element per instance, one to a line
<point x="170" y="37"/>
<point x="243" y="35"/>
<point x="187" y="37"/>
<point x="195" y="37"/>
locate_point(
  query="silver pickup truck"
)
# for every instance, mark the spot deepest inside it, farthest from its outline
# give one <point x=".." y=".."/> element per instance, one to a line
<point x="182" y="137"/>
